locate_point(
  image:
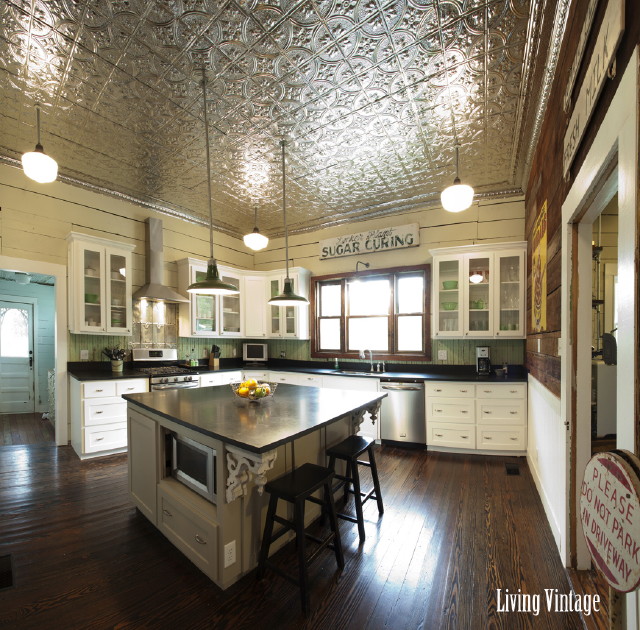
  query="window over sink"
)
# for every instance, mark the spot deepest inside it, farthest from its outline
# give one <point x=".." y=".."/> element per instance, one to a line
<point x="383" y="310"/>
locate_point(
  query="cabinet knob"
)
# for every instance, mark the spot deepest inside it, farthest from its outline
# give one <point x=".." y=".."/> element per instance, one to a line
<point x="497" y="332"/>
<point x="167" y="512"/>
<point x="200" y="540"/>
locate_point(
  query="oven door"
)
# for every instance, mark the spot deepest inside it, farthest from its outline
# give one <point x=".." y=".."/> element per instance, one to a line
<point x="182" y="385"/>
<point x="194" y="465"/>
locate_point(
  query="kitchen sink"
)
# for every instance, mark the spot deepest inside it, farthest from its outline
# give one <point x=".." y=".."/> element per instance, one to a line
<point x="361" y="373"/>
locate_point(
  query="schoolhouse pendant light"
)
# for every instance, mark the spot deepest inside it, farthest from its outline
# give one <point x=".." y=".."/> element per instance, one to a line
<point x="212" y="284"/>
<point x="254" y="240"/>
<point x="287" y="297"/>
<point x="36" y="164"/>
<point x="457" y="197"/>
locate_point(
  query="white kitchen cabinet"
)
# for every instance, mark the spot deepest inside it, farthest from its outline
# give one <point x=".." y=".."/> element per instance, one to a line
<point x="259" y="375"/>
<point x="479" y="293"/>
<point x="367" y="428"/>
<point x="255" y="310"/>
<point x="211" y="379"/>
<point x="99" y="415"/>
<point x="288" y="321"/>
<point x="208" y="315"/>
<point x="99" y="285"/>
<point x="470" y="416"/>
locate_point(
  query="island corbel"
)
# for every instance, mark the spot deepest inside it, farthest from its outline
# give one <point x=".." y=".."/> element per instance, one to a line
<point x="242" y="466"/>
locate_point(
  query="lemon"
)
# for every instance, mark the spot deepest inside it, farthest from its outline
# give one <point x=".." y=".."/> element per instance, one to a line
<point x="251" y="382"/>
<point x="243" y="391"/>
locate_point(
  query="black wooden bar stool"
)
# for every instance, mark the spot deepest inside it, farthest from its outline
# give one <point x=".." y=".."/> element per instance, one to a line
<point x="349" y="450"/>
<point x="297" y="487"/>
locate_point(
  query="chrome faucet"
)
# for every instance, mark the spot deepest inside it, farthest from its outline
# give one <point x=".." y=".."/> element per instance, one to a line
<point x="363" y="355"/>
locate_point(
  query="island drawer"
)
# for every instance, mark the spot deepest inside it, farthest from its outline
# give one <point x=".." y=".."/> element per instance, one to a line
<point x="453" y="435"/>
<point x="189" y="531"/>
<point x="449" y="390"/>
<point x="105" y="437"/>
<point x="502" y="390"/>
<point x="99" y="389"/>
<point x="501" y="438"/>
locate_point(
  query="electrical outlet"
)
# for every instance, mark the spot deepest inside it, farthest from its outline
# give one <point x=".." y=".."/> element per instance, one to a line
<point x="442" y="355"/>
<point x="84" y="355"/>
<point x="229" y="554"/>
<point x="283" y="354"/>
<point x="234" y="351"/>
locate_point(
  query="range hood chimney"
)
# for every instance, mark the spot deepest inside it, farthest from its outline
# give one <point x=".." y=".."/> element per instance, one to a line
<point x="154" y="290"/>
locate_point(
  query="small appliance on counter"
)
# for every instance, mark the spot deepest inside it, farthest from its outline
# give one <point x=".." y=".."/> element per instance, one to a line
<point x="255" y="353"/>
<point x="483" y="361"/>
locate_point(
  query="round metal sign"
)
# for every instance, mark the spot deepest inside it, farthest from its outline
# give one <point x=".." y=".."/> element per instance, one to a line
<point x="610" y="515"/>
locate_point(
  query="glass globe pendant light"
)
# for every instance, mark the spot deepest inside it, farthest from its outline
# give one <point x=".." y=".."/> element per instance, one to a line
<point x="287" y="297"/>
<point x="36" y="164"/>
<point x="212" y="284"/>
<point x="254" y="240"/>
<point x="457" y="197"/>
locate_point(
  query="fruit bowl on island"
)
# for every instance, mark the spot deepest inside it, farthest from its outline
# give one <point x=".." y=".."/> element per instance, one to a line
<point x="253" y="390"/>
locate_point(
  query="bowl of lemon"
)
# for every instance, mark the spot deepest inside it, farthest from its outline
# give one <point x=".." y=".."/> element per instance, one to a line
<point x="253" y="391"/>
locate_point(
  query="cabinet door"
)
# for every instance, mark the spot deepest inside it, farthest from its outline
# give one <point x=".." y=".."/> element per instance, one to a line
<point x="509" y="294"/>
<point x="478" y="279"/>
<point x="143" y="463"/>
<point x="254" y="307"/>
<point x="118" y="292"/>
<point x="275" y="312"/>
<point x="230" y="307"/>
<point x="284" y="320"/>
<point x="448" y="298"/>
<point x="204" y="316"/>
<point x="92" y="290"/>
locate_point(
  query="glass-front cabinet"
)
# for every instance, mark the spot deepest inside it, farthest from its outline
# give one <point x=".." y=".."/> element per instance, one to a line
<point x="479" y="293"/>
<point x="289" y="321"/>
<point x="100" y="286"/>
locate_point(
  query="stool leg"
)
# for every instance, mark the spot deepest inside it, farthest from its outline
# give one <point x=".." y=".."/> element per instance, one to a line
<point x="376" y="483"/>
<point x="347" y="474"/>
<point x="333" y="521"/>
<point x="298" y="519"/>
<point x="266" y="536"/>
<point x="355" y="476"/>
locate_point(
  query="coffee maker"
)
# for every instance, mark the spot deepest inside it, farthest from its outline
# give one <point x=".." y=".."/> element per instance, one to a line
<point x="483" y="361"/>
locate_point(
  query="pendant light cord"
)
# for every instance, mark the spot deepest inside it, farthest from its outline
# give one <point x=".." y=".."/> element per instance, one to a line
<point x="38" y="123"/>
<point x="206" y="136"/>
<point x="284" y="213"/>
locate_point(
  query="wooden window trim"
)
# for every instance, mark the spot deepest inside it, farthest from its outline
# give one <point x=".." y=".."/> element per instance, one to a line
<point x="389" y="356"/>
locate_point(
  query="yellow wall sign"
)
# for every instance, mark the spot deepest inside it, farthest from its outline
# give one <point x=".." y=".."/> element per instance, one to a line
<point x="539" y="272"/>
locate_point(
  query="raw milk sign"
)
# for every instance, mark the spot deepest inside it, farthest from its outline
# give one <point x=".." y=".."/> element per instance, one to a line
<point x="610" y="515"/>
<point x="371" y="241"/>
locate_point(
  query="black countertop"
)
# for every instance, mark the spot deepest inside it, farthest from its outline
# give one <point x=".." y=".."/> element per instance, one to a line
<point x="290" y="413"/>
<point x="98" y="371"/>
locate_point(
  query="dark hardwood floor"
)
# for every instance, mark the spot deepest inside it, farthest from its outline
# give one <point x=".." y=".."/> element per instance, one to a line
<point x="455" y="529"/>
<point x="25" y="428"/>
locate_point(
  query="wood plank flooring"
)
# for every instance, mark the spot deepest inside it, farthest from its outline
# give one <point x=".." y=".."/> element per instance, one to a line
<point x="455" y="529"/>
<point x="25" y="428"/>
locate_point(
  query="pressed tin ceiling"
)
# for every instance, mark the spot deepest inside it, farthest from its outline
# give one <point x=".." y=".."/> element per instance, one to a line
<point x="371" y="96"/>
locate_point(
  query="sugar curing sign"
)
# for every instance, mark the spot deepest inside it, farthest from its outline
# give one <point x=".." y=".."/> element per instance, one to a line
<point x="371" y="241"/>
<point x="610" y="515"/>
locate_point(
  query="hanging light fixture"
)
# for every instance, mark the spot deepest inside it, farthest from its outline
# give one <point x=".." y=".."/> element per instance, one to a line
<point x="457" y="197"/>
<point x="212" y="284"/>
<point x="254" y="240"/>
<point x="287" y="297"/>
<point x="36" y="164"/>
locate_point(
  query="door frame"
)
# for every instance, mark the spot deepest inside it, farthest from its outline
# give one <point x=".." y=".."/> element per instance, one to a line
<point x="611" y="160"/>
<point x="33" y="302"/>
<point x="59" y="272"/>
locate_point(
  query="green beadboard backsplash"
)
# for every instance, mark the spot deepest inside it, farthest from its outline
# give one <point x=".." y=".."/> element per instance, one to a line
<point x="459" y="351"/>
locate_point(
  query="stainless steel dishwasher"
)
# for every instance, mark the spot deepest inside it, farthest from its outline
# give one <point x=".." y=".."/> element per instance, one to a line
<point x="402" y="416"/>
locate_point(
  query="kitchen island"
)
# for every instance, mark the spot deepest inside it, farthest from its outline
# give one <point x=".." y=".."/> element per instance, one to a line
<point x="254" y="442"/>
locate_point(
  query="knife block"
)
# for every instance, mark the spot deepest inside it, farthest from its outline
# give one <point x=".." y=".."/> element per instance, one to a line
<point x="214" y="363"/>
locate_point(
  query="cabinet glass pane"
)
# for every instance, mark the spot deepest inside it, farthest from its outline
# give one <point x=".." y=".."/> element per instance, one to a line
<point x="449" y="300"/>
<point x="274" y="311"/>
<point x="92" y="288"/>
<point x="205" y="308"/>
<point x="231" y="308"/>
<point x="479" y="291"/>
<point x="369" y="333"/>
<point x="509" y="292"/>
<point x="116" y="268"/>
<point x="290" y="319"/>
<point x="410" y="333"/>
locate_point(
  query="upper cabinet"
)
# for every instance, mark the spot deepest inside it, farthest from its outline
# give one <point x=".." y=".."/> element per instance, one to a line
<point x="99" y="285"/>
<point x="479" y="292"/>
<point x="247" y="314"/>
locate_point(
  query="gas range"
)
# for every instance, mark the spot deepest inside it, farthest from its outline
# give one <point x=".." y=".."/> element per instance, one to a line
<point x="166" y="376"/>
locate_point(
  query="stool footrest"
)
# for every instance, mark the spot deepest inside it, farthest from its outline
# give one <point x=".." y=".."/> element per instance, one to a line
<point x="364" y="462"/>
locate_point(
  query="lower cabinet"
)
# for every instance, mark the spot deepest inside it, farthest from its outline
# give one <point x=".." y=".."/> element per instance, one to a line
<point x="99" y="415"/>
<point x="144" y="458"/>
<point x="486" y="417"/>
<point x="211" y="379"/>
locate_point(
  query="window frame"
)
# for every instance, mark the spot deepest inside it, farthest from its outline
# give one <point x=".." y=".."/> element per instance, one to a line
<point x="392" y="354"/>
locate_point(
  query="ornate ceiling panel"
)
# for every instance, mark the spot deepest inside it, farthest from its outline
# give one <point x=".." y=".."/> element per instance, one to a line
<point x="371" y="96"/>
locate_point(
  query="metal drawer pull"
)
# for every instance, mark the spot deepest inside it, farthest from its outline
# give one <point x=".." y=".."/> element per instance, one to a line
<point x="513" y="391"/>
<point x="130" y="388"/>
<point x="438" y="410"/>
<point x="98" y="390"/>
<point x="513" y="439"/>
<point x="513" y="413"/>
<point x="464" y="411"/>
<point x="438" y="390"/>
<point x="199" y="540"/>
<point x="486" y="437"/>
<point x="464" y="391"/>
<point x="487" y="391"/>
<point x="98" y="412"/>
<point x="487" y="412"/>
<point x="167" y="512"/>
<point x="464" y="437"/>
<point x="439" y="435"/>
<point x="99" y="439"/>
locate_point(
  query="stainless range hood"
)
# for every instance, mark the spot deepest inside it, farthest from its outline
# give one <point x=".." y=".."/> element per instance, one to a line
<point x="154" y="290"/>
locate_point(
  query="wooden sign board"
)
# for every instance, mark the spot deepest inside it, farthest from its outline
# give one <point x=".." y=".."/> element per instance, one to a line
<point x="610" y="515"/>
<point x="371" y="242"/>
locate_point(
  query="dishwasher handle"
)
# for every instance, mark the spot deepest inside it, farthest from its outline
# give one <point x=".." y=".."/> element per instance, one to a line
<point x="401" y="388"/>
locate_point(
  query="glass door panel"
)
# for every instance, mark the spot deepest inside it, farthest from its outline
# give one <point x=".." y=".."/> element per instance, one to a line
<point x="117" y="307"/>
<point x="274" y="311"/>
<point x="290" y="315"/>
<point x="449" y="306"/>
<point x="509" y="306"/>
<point x="204" y="309"/>
<point x="479" y="282"/>
<point x="92" y="288"/>
<point x="231" y="308"/>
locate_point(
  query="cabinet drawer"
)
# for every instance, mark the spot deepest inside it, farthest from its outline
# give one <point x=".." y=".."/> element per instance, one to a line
<point x="98" y="389"/>
<point x="502" y="390"/>
<point x="454" y="435"/>
<point x="259" y="376"/>
<point x="133" y="386"/>
<point x="190" y="532"/>
<point x="104" y="411"/>
<point x="501" y="412"/>
<point x="450" y="410"/>
<point x="450" y="390"/>
<point x="105" y="437"/>
<point x="310" y="380"/>
<point x="501" y="438"/>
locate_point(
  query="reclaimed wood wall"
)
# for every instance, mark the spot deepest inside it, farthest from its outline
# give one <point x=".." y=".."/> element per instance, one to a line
<point x="546" y="181"/>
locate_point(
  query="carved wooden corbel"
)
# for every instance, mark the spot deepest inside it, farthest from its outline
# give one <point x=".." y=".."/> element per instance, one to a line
<point x="242" y="467"/>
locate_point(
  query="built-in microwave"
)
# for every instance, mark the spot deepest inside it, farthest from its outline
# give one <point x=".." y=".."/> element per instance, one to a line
<point x="194" y="465"/>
